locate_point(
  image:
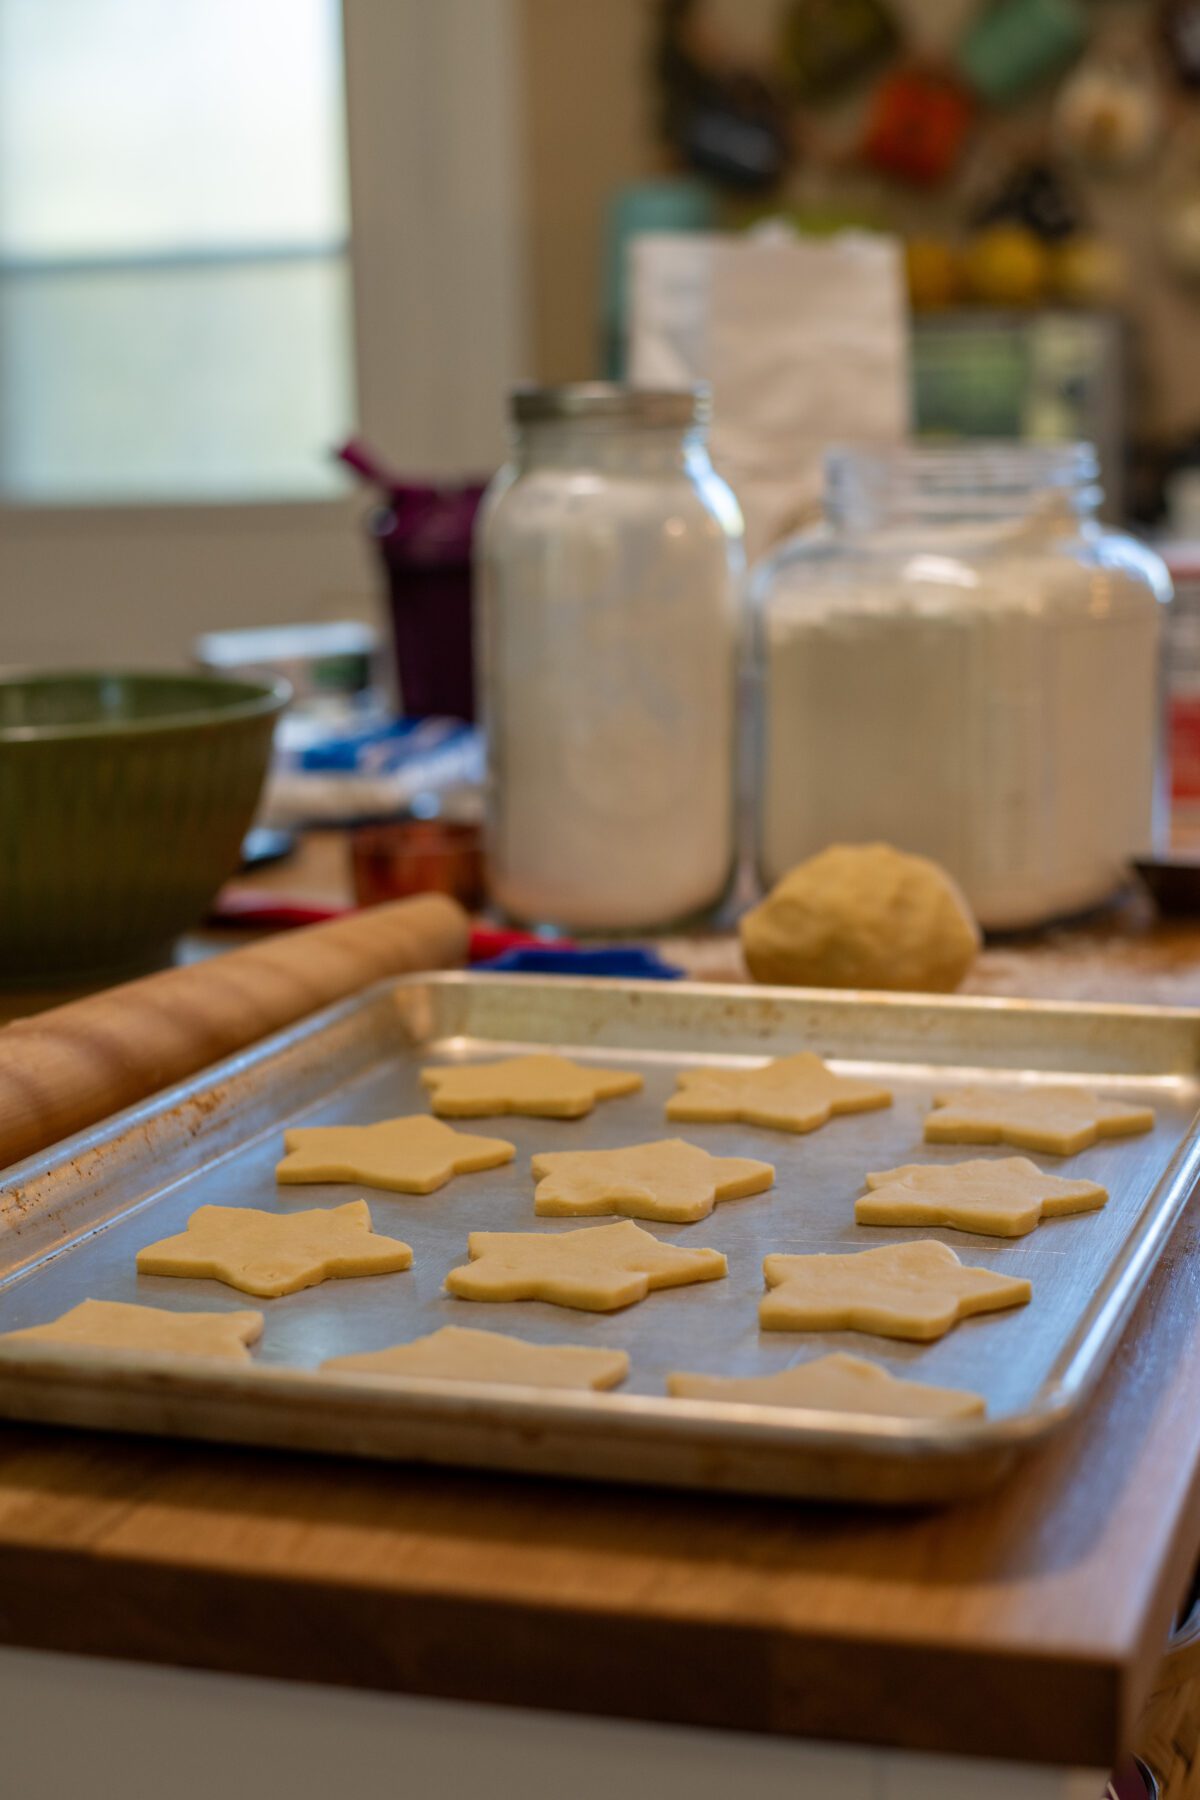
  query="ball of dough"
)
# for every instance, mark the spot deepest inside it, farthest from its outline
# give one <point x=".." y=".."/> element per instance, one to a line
<point x="862" y="916"/>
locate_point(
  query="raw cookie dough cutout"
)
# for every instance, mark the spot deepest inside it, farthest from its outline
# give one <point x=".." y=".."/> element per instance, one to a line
<point x="835" y="1383"/>
<point x="1005" y="1198"/>
<point x="598" y="1269"/>
<point x="457" y="1353"/>
<point x="275" y="1253"/>
<point x="117" y="1325"/>
<point x="915" y="1291"/>
<point x="543" y="1087"/>
<point x="669" y="1180"/>
<point x="1060" y="1120"/>
<point x="415" y="1155"/>
<point x="794" y="1093"/>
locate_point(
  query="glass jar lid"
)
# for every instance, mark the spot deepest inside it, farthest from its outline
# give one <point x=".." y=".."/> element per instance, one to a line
<point x="977" y="479"/>
<point x="609" y="400"/>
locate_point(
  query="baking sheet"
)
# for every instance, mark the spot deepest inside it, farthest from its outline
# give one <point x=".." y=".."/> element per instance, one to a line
<point x="72" y="1221"/>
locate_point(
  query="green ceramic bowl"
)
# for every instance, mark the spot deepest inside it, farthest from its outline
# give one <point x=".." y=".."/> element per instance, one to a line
<point x="123" y="802"/>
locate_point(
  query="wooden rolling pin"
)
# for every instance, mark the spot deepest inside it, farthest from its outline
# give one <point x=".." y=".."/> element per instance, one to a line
<point x="62" y="1070"/>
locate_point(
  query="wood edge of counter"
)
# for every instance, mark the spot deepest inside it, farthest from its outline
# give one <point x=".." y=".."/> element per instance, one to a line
<point x="85" y="1601"/>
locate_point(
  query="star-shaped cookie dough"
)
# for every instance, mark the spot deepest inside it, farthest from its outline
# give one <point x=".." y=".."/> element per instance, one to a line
<point x="543" y="1087"/>
<point x="1060" y="1120"/>
<point x="598" y="1269"/>
<point x="913" y="1291"/>
<point x="275" y="1253"/>
<point x="406" y="1156"/>
<point x="116" y="1325"/>
<point x="835" y="1383"/>
<point x="668" y="1180"/>
<point x="456" y="1353"/>
<point x="1005" y="1198"/>
<point x="794" y="1093"/>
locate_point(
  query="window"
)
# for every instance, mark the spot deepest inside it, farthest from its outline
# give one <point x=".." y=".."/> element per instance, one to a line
<point x="178" y="321"/>
<point x="175" y="319"/>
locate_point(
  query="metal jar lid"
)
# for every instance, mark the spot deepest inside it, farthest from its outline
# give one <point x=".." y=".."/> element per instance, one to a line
<point x="582" y="400"/>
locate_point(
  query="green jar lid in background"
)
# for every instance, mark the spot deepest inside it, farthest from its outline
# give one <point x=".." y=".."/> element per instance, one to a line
<point x="1014" y="44"/>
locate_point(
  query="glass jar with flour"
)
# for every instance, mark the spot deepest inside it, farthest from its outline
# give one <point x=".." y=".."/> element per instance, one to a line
<point x="609" y="557"/>
<point x="962" y="661"/>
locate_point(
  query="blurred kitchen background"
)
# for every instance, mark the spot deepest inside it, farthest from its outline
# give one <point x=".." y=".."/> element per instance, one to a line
<point x="268" y="269"/>
<point x="233" y="234"/>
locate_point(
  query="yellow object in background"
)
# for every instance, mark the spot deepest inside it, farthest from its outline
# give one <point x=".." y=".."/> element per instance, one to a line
<point x="934" y="272"/>
<point x="1007" y="265"/>
<point x="1087" y="271"/>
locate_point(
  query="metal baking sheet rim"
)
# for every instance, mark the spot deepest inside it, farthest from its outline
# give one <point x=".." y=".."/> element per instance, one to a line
<point x="708" y="1445"/>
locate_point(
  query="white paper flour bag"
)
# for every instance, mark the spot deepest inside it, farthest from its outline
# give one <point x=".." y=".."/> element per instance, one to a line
<point x="804" y="342"/>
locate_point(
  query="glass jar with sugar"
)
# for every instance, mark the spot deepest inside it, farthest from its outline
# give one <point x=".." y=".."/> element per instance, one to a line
<point x="962" y="661"/>
<point x="609" y="560"/>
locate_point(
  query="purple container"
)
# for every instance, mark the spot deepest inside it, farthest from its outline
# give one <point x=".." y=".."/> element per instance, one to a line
<point x="424" y="537"/>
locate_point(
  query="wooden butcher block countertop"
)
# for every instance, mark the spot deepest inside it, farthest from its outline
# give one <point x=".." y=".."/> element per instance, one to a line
<point x="1026" y="1625"/>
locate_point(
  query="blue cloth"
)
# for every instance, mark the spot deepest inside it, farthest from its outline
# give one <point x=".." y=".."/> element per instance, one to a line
<point x="382" y="749"/>
<point x="628" y="964"/>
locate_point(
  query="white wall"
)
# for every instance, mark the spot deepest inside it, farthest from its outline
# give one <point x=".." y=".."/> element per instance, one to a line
<point x="133" y="588"/>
